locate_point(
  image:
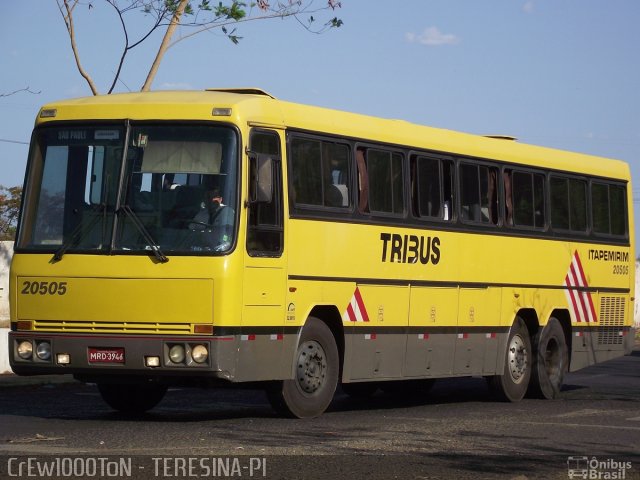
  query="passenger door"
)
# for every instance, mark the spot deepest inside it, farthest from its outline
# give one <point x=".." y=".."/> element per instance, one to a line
<point x="264" y="286"/>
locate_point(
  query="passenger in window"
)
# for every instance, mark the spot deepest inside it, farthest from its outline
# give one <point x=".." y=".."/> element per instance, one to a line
<point x="508" y="199"/>
<point x="446" y="210"/>
<point x="167" y="182"/>
<point x="216" y="220"/>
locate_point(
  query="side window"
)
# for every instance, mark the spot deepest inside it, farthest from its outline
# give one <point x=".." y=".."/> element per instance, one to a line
<point x="600" y="208"/>
<point x="578" y="204"/>
<point x="363" y="181"/>
<point x="539" y="201"/>
<point x="478" y="193"/>
<point x="569" y="204"/>
<point x="618" y="209"/>
<point x="93" y="190"/>
<point x="306" y="171"/>
<point x="560" y="203"/>
<point x="525" y="199"/>
<point x="265" y="232"/>
<point x="608" y="209"/>
<point x="320" y="174"/>
<point x="432" y="187"/>
<point x="386" y="193"/>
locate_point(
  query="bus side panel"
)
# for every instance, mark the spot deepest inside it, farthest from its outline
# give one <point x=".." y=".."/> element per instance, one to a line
<point x="265" y="356"/>
<point x="263" y="339"/>
<point x="478" y="319"/>
<point x="432" y="337"/>
<point x="379" y="340"/>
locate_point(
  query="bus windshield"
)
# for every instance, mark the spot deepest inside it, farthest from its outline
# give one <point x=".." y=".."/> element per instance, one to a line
<point x="172" y="189"/>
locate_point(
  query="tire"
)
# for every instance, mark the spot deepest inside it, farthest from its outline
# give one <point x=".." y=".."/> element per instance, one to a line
<point x="132" y="398"/>
<point x="316" y="375"/>
<point x="550" y="361"/>
<point x="513" y="383"/>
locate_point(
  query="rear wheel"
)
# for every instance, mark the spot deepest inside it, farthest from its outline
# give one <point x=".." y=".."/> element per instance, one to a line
<point x="550" y="361"/>
<point x="131" y="398"/>
<point x="316" y="374"/>
<point x="513" y="383"/>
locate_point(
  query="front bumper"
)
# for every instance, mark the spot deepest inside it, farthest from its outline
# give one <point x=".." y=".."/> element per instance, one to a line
<point x="133" y="356"/>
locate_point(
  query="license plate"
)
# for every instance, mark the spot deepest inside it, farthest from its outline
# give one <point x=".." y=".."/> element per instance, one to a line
<point x="106" y="355"/>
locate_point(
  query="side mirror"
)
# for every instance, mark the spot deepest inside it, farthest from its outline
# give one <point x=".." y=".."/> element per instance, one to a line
<point x="261" y="178"/>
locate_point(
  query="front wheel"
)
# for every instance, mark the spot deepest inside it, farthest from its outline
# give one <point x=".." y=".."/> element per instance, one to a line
<point x="513" y="383"/>
<point x="132" y="399"/>
<point x="550" y="361"/>
<point x="316" y="375"/>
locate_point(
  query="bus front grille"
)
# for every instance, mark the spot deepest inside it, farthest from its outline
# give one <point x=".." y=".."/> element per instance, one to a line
<point x="111" y="327"/>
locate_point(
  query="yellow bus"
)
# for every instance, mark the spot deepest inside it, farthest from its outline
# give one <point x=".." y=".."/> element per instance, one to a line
<point x="225" y="236"/>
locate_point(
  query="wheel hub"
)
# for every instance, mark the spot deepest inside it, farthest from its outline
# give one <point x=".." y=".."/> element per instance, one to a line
<point x="312" y="367"/>
<point x="518" y="359"/>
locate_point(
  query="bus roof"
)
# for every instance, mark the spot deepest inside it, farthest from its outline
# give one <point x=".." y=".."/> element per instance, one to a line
<point x="256" y="106"/>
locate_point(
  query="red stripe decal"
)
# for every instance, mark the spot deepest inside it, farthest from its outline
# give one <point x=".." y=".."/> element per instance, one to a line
<point x="351" y="313"/>
<point x="363" y="309"/>
<point x="584" y="314"/>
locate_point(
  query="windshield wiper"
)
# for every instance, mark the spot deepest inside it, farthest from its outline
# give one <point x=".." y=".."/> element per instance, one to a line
<point x="78" y="234"/>
<point x="155" y="248"/>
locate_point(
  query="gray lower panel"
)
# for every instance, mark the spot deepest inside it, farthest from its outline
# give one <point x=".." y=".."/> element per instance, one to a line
<point x="266" y="357"/>
<point x="430" y="355"/>
<point x="591" y="345"/>
<point x="376" y="355"/>
<point x="415" y="354"/>
<point x="476" y="354"/>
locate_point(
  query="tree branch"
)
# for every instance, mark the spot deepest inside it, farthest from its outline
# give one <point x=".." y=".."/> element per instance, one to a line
<point x="25" y="89"/>
<point x="160" y="15"/>
<point x="175" y="21"/>
<point x="68" y="21"/>
<point x="293" y="9"/>
<point x="124" y="51"/>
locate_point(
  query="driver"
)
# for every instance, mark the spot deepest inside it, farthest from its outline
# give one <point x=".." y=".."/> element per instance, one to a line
<point x="214" y="217"/>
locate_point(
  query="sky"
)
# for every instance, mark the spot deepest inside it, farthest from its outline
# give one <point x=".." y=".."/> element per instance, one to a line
<point x="559" y="73"/>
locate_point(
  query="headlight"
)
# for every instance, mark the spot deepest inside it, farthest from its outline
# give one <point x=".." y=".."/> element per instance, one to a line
<point x="176" y="354"/>
<point x="43" y="350"/>
<point x="25" y="349"/>
<point x="199" y="353"/>
<point x="63" y="358"/>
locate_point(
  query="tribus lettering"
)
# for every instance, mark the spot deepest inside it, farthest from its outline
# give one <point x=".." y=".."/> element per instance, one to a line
<point x="410" y="248"/>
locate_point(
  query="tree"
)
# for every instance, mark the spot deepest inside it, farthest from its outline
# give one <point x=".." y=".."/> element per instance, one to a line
<point x="25" y="89"/>
<point x="9" y="208"/>
<point x="169" y="14"/>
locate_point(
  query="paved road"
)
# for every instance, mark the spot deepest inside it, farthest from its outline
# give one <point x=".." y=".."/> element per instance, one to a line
<point x="454" y="432"/>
